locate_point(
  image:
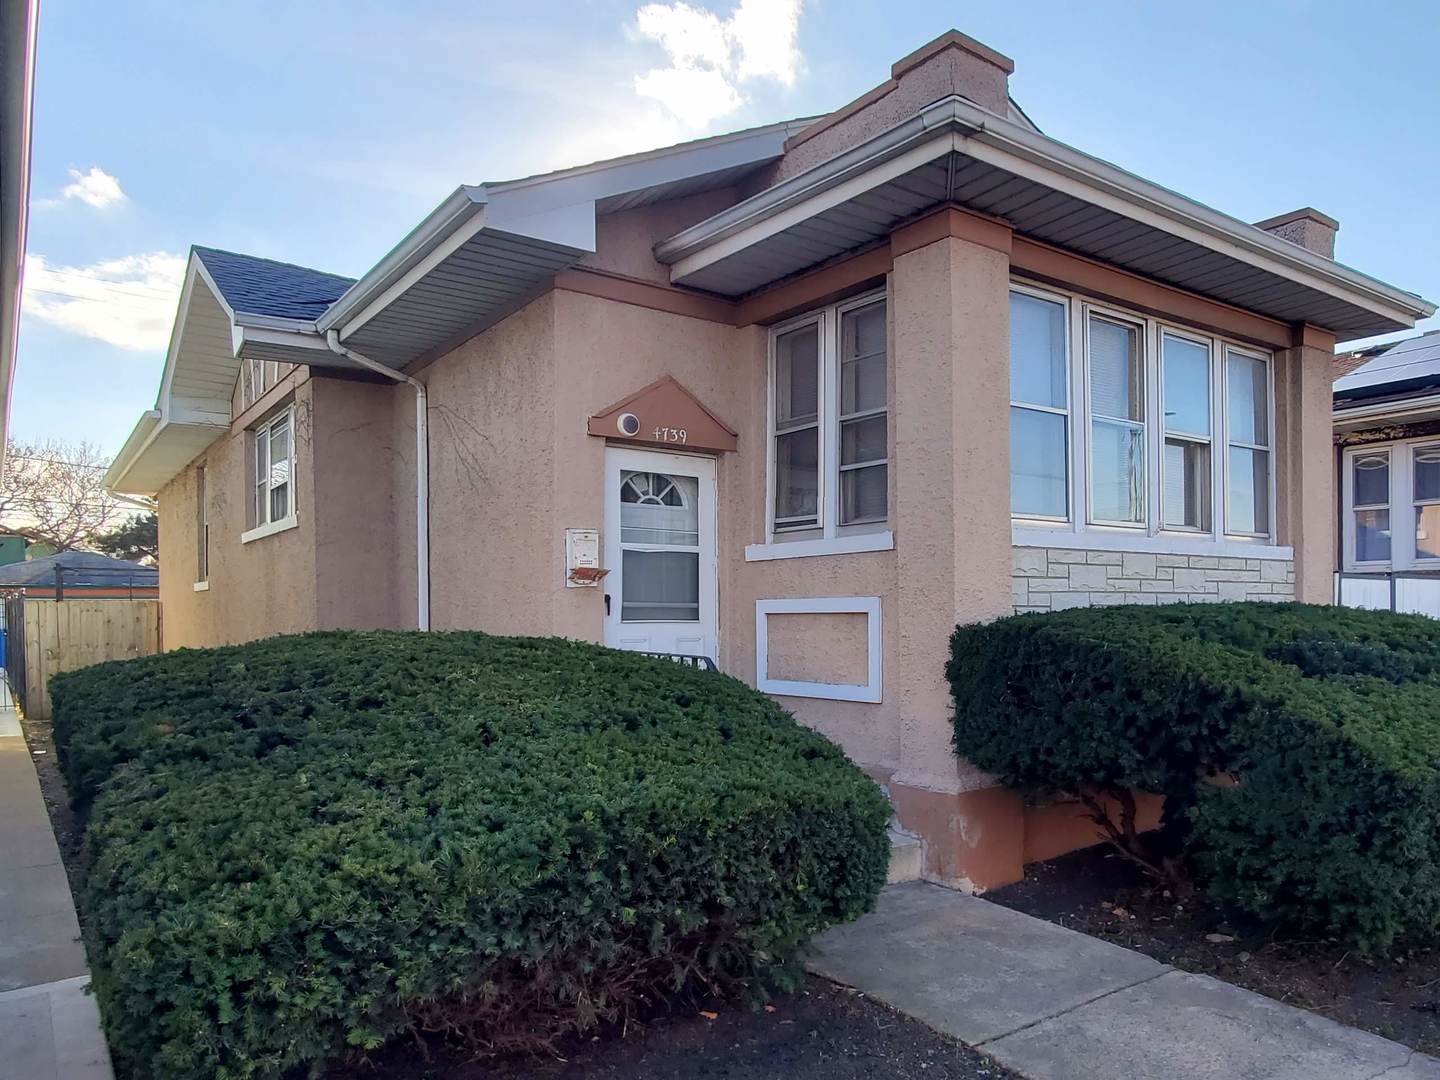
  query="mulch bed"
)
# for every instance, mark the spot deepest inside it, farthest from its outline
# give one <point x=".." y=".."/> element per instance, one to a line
<point x="57" y="798"/>
<point x="1099" y="893"/>
<point x="821" y="1032"/>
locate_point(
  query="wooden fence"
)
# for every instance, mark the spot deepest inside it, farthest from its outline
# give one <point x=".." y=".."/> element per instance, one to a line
<point x="45" y="637"/>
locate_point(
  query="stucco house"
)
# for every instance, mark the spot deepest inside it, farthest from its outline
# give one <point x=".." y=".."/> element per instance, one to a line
<point x="1387" y="461"/>
<point x="796" y="399"/>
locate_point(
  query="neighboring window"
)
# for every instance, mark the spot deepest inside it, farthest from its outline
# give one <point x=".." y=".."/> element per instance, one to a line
<point x="1426" y="492"/>
<point x="202" y="525"/>
<point x="274" y="455"/>
<point x="1248" y="416"/>
<point x="1039" y="408"/>
<point x="257" y="377"/>
<point x="1370" y="505"/>
<point x="831" y="433"/>
<point x="1117" y="422"/>
<point x="1171" y="426"/>
<point x="1185" y="468"/>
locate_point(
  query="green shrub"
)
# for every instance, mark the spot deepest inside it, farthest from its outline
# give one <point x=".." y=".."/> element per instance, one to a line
<point x="1328" y="719"/>
<point x="308" y="844"/>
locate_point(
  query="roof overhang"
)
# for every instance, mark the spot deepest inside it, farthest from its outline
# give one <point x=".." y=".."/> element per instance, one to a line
<point x="955" y="153"/>
<point x="207" y="343"/>
<point x="1415" y="409"/>
<point x="489" y="249"/>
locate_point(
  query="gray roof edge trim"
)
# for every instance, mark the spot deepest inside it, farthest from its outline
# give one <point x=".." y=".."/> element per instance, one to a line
<point x="929" y="122"/>
<point x="243" y="319"/>
<point x="954" y="112"/>
<point x="1345" y="411"/>
<point x="134" y="442"/>
<point x="459" y="207"/>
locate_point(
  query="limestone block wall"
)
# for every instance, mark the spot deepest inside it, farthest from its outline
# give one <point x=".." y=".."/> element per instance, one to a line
<point x="1048" y="579"/>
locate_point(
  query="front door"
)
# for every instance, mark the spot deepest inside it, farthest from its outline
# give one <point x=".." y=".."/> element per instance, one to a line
<point x="660" y="595"/>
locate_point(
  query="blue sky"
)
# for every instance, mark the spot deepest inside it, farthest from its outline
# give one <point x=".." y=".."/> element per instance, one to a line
<point x="321" y="131"/>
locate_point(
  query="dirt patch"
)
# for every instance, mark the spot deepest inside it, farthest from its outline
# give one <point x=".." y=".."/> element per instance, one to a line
<point x="1098" y="893"/>
<point x="821" y="1032"/>
<point x="57" y="799"/>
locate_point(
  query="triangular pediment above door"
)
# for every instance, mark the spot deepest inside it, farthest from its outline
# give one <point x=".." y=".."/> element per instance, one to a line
<point x="663" y="414"/>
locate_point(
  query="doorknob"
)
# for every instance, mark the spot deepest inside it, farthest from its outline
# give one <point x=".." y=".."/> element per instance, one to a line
<point x="607" y="604"/>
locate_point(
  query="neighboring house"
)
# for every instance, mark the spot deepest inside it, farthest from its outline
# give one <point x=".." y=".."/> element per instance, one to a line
<point x="19" y="21"/>
<point x="797" y="399"/>
<point x="80" y="575"/>
<point x="1387" y="456"/>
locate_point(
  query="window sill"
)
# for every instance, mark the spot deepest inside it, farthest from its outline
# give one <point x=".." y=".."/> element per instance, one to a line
<point x="262" y="531"/>
<point x="1228" y="547"/>
<point x="202" y="586"/>
<point x="835" y="545"/>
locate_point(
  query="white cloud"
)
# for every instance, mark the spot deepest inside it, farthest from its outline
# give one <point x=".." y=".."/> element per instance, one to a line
<point x="128" y="302"/>
<point x="94" y="187"/>
<point x="710" y="57"/>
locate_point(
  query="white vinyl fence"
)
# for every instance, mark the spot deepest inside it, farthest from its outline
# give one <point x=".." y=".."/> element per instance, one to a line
<point x="1417" y="593"/>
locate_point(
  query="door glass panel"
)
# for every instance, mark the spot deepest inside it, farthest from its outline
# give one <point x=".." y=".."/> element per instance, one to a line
<point x="659" y="509"/>
<point x="660" y="586"/>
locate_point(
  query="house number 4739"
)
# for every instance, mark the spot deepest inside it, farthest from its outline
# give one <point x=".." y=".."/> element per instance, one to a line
<point x="671" y="434"/>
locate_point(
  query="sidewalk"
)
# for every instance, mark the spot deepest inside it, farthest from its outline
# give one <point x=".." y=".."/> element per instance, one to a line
<point x="1053" y="1004"/>
<point x="49" y="1026"/>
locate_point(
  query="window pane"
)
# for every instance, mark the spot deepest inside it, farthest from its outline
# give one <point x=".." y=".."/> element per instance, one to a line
<point x="862" y="359"/>
<point x="863" y="495"/>
<point x="1117" y="377"/>
<point x="279" y="454"/>
<point x="1038" y="464"/>
<point x="797" y="479"/>
<point x="657" y="508"/>
<point x="1249" y="491"/>
<point x="1118" y="474"/>
<point x="1187" y="386"/>
<point x="262" y="478"/>
<point x="1187" y="484"/>
<point x="797" y="376"/>
<point x="279" y="502"/>
<point x="1037" y="351"/>
<point x="659" y="586"/>
<point x="1248" y="408"/>
<point x="1427" y="531"/>
<point x="1427" y="472"/>
<point x="862" y="440"/>
<point x="1371" y="480"/>
<point x="1372" y="535"/>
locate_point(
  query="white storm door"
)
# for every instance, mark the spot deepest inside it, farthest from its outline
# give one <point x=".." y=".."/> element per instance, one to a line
<point x="660" y="549"/>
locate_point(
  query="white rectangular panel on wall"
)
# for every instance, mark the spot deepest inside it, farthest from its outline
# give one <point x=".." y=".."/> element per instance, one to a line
<point x="867" y="606"/>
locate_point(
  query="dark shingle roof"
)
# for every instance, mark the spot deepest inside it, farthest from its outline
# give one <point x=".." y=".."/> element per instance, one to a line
<point x="266" y="287"/>
<point x="81" y="568"/>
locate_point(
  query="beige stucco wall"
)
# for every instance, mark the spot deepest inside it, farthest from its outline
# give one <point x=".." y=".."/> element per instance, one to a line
<point x="256" y="589"/>
<point x="820" y="647"/>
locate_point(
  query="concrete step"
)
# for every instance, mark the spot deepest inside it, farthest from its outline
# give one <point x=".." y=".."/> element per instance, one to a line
<point x="907" y="857"/>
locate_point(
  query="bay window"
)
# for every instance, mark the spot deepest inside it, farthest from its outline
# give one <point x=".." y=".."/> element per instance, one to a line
<point x="830" y="429"/>
<point x="1172" y="427"/>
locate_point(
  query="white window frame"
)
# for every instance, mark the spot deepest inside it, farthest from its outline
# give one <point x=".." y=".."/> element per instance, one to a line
<point x="1402" y="506"/>
<point x="202" y="527"/>
<point x="1227" y="347"/>
<point x="1079" y="530"/>
<point x="1068" y="412"/>
<point x="869" y="606"/>
<point x="264" y="525"/>
<point x="828" y="537"/>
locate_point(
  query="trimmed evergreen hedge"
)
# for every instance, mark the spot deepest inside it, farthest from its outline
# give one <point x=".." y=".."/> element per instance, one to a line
<point x="308" y="844"/>
<point x="1328" y="718"/>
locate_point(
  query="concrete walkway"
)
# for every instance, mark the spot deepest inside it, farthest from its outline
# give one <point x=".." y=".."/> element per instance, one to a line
<point x="1053" y="1004"/>
<point x="49" y="1025"/>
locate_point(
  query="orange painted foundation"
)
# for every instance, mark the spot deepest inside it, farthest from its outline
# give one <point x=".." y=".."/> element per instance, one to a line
<point x="979" y="840"/>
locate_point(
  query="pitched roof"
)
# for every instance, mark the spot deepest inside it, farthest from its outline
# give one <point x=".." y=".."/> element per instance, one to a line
<point x="81" y="568"/>
<point x="265" y="287"/>
<point x="1406" y="366"/>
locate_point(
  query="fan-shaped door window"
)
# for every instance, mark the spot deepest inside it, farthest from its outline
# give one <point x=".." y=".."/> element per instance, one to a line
<point x="660" y="547"/>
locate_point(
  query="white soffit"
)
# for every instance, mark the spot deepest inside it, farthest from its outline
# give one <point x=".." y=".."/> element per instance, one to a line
<point x="954" y="152"/>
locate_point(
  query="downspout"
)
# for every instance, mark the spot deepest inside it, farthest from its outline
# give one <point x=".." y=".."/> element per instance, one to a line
<point x="422" y="469"/>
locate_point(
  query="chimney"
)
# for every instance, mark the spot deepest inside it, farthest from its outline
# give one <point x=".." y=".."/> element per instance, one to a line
<point x="971" y="69"/>
<point x="1307" y="227"/>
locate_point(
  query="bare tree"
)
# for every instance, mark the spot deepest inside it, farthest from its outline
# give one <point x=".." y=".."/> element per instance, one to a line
<point x="52" y="492"/>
